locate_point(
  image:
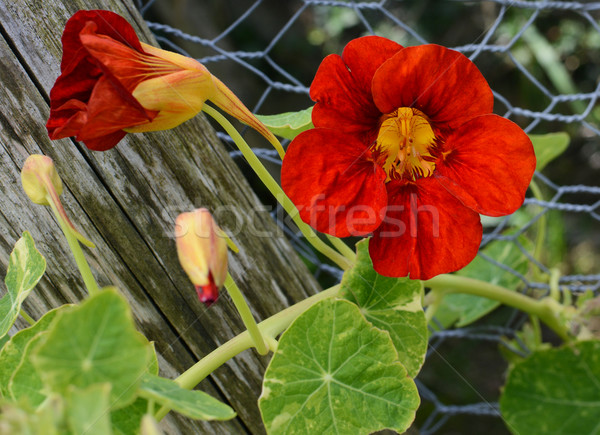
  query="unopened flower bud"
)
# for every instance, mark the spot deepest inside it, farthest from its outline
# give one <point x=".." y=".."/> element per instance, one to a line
<point x="37" y="175"/>
<point x="43" y="186"/>
<point x="202" y="252"/>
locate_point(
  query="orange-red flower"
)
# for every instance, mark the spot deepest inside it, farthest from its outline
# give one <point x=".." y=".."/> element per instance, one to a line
<point x="406" y="147"/>
<point x="112" y="84"/>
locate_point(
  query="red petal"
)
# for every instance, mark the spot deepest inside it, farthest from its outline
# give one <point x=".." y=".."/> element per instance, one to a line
<point x="78" y="71"/>
<point x="209" y="293"/>
<point x="107" y="23"/>
<point x="108" y="112"/>
<point x="489" y="165"/>
<point x="441" y="83"/>
<point x="121" y="62"/>
<point x="105" y="142"/>
<point x="80" y="76"/>
<point x="426" y="232"/>
<point x="334" y="183"/>
<point x="342" y="85"/>
<point x="67" y="120"/>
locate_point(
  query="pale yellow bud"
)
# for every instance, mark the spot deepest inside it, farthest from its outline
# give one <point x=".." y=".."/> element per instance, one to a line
<point x="202" y="252"/>
<point x="43" y="186"/>
<point x="39" y="178"/>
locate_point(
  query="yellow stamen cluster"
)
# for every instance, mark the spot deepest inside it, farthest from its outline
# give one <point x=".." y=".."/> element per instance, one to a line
<point x="404" y="144"/>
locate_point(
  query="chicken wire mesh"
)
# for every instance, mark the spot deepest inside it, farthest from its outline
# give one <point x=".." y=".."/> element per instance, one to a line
<point x="542" y="60"/>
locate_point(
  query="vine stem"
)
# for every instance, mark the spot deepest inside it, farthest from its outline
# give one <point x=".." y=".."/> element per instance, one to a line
<point x="242" y="306"/>
<point x="27" y="317"/>
<point x="269" y="328"/>
<point x="82" y="264"/>
<point x="547" y="309"/>
<point x="276" y="190"/>
<point x="342" y="248"/>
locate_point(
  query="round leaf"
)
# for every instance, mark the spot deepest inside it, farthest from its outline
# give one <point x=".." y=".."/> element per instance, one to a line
<point x="335" y="373"/>
<point x="13" y="352"/>
<point x="95" y="343"/>
<point x="391" y="304"/>
<point x="555" y="391"/>
<point x="25" y="381"/>
<point x="88" y="410"/>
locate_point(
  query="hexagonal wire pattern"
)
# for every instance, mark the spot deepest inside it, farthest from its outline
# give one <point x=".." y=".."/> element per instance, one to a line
<point x="390" y="18"/>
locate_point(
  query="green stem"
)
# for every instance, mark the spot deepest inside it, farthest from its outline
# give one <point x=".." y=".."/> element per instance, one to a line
<point x="270" y="328"/>
<point x="547" y="309"/>
<point x="276" y="190"/>
<point x="272" y="343"/>
<point x="554" y="288"/>
<point x="240" y="303"/>
<point x="27" y="317"/>
<point x="537" y="331"/>
<point x="342" y="248"/>
<point x="82" y="264"/>
<point x="433" y="302"/>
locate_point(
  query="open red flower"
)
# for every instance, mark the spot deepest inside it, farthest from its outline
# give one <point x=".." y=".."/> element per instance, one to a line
<point x="406" y="147"/>
<point x="112" y="84"/>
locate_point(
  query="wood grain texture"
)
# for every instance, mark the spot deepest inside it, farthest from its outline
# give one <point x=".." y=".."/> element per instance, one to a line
<point x="126" y="200"/>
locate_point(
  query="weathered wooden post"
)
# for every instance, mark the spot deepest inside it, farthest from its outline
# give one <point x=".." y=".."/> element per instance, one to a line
<point x="125" y="200"/>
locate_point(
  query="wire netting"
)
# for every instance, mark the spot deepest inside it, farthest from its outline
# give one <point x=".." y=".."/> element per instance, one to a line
<point x="542" y="60"/>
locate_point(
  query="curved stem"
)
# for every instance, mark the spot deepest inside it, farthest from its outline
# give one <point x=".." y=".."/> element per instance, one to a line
<point x="342" y="248"/>
<point x="27" y="317"/>
<point x="554" y="289"/>
<point x="242" y="306"/>
<point x="270" y="328"/>
<point x="276" y="190"/>
<point x="82" y="264"/>
<point x="548" y="310"/>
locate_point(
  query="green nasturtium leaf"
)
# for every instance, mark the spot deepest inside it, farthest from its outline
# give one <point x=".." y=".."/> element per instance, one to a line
<point x="391" y="304"/>
<point x="3" y="341"/>
<point x="288" y="125"/>
<point x="26" y="267"/>
<point x="13" y="352"/>
<point x="462" y="310"/>
<point x="549" y="146"/>
<point x="93" y="343"/>
<point x="89" y="410"/>
<point x="25" y="381"/>
<point x="191" y="403"/>
<point x="555" y="391"/>
<point x="333" y="372"/>
<point x="127" y="420"/>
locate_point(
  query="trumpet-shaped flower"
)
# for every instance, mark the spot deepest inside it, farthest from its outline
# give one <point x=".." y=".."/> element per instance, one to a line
<point x="202" y="252"/>
<point x="406" y="148"/>
<point x="112" y="84"/>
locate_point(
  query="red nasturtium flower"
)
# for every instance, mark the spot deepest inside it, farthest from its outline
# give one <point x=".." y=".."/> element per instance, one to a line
<point x="112" y="84"/>
<point x="406" y="147"/>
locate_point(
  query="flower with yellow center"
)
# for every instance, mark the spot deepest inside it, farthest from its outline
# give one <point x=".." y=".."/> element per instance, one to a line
<point x="404" y="144"/>
<point x="406" y="148"/>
